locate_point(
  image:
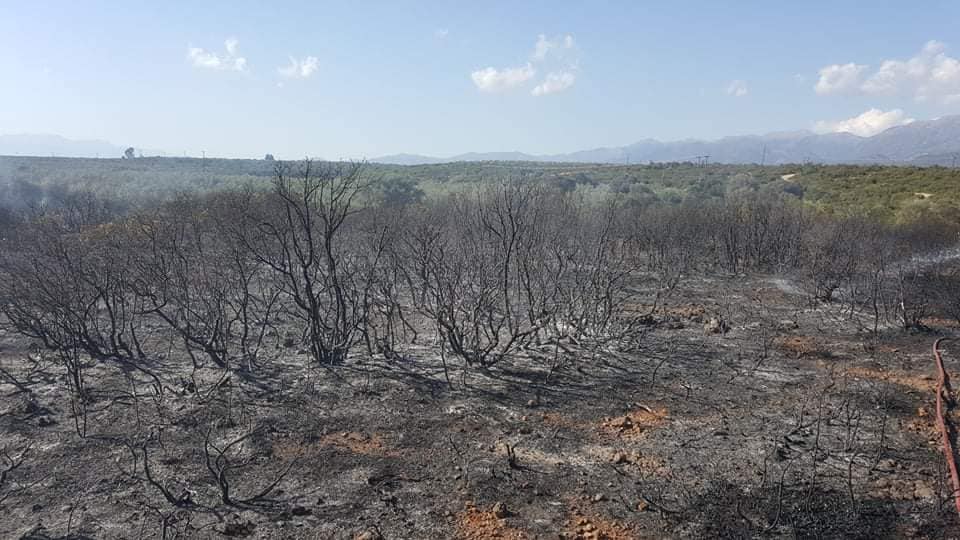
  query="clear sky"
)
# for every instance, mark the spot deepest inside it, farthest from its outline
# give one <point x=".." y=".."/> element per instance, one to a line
<point x="364" y="79"/>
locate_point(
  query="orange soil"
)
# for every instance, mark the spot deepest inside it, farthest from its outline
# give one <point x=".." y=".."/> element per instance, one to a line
<point x="634" y="423"/>
<point x="476" y="524"/>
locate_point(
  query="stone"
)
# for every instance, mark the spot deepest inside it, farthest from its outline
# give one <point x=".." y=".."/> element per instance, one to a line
<point x="785" y="325"/>
<point x="599" y="497"/>
<point x="924" y="492"/>
<point x="716" y="325"/>
<point x="500" y="510"/>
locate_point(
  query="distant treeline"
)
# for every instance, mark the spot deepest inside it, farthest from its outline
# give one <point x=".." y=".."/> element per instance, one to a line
<point x="885" y="193"/>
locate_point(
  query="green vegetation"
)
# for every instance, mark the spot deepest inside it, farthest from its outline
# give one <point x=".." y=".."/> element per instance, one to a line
<point x="890" y="194"/>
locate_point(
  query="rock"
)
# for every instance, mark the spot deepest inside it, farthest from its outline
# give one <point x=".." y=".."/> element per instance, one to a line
<point x="599" y="497"/>
<point x="532" y="403"/>
<point x="620" y="457"/>
<point x="500" y="510"/>
<point x="924" y="492"/>
<point x="887" y="465"/>
<point x="367" y="535"/>
<point x="45" y="421"/>
<point x="785" y="325"/>
<point x="716" y="325"/>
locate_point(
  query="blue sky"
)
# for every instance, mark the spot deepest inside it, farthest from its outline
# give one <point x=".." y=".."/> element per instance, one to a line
<point x="363" y="79"/>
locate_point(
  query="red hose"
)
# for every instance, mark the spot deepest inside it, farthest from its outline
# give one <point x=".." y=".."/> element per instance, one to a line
<point x="944" y="382"/>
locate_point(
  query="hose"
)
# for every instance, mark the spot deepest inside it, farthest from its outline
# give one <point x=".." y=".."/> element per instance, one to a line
<point x="942" y="384"/>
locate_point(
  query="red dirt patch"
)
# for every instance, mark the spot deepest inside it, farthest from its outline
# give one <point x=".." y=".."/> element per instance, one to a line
<point x="920" y="383"/>
<point x="687" y="312"/>
<point x="646" y="463"/>
<point x="594" y="527"/>
<point x="940" y="322"/>
<point x="358" y="443"/>
<point x="798" y="345"/>
<point x="476" y="524"/>
<point x="560" y="421"/>
<point x="634" y="423"/>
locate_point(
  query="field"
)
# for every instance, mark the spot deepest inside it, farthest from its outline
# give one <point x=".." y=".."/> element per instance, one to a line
<point x="515" y="361"/>
<point x="812" y="429"/>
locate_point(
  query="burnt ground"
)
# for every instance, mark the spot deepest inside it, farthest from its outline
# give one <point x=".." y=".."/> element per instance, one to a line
<point x="795" y="422"/>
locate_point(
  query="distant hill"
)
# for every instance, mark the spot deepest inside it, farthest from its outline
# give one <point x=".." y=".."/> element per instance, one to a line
<point x="931" y="142"/>
<point x="55" y="145"/>
<point x="44" y="145"/>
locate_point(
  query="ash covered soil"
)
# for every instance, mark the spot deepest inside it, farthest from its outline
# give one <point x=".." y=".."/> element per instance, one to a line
<point x="744" y="411"/>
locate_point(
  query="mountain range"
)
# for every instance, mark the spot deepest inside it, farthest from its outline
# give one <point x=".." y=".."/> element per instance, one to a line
<point x="930" y="142"/>
<point x="55" y="145"/>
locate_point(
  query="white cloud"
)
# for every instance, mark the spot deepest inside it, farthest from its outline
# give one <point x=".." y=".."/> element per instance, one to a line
<point x="441" y="33"/>
<point x="231" y="46"/>
<point x="555" y="82"/>
<point x="230" y="61"/>
<point x="557" y="57"/>
<point x="497" y="80"/>
<point x="544" y="46"/>
<point x="300" y="68"/>
<point x="867" y="124"/>
<point x="839" y="79"/>
<point x="929" y="76"/>
<point x="737" y="88"/>
<point x="560" y="56"/>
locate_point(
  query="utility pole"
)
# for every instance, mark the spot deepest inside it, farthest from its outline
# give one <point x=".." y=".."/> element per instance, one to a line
<point x="763" y="160"/>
